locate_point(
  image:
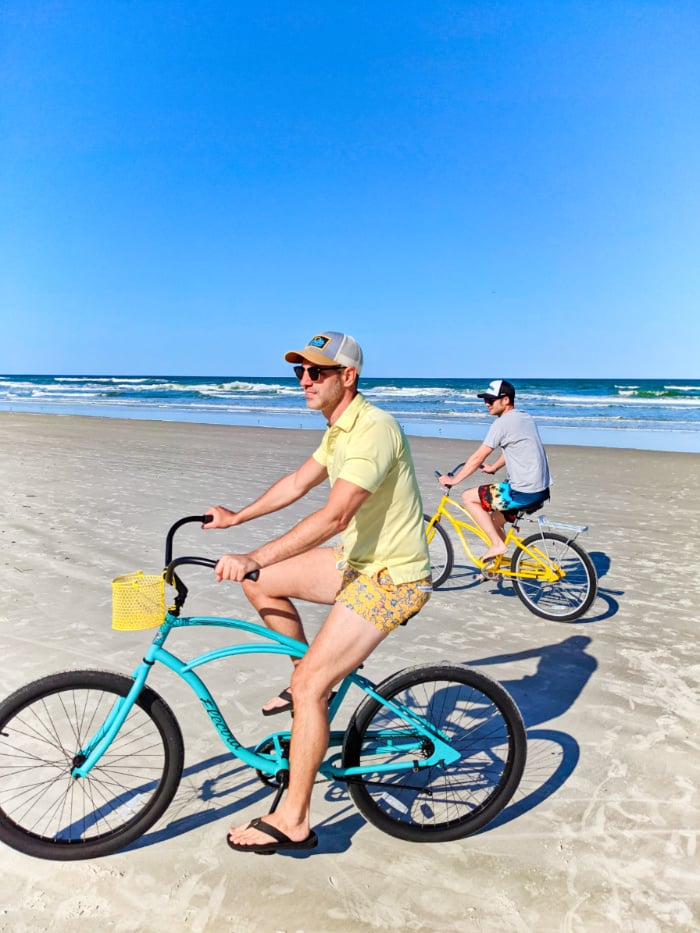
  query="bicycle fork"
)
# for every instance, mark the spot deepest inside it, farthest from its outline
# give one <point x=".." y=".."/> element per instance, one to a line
<point x="86" y="759"/>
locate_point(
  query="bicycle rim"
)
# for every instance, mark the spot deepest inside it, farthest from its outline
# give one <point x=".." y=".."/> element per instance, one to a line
<point x="440" y="802"/>
<point x="439" y="550"/>
<point x="562" y="600"/>
<point x="43" y="728"/>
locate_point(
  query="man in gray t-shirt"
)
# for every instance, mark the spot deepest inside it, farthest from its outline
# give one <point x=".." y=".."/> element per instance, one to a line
<point x="522" y="453"/>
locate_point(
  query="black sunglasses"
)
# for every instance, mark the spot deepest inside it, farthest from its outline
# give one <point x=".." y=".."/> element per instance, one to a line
<point x="315" y="371"/>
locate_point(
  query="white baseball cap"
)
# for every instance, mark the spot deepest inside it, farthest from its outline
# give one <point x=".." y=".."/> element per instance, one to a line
<point x="329" y="348"/>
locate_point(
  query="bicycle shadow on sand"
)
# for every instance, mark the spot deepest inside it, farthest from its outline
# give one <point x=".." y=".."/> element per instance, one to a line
<point x="563" y="670"/>
<point x="221" y="788"/>
<point x="465" y="577"/>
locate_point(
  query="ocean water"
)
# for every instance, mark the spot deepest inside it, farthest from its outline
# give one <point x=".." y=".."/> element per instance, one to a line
<point x="622" y="413"/>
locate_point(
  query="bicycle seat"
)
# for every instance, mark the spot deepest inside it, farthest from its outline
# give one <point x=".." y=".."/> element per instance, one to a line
<point x="514" y="514"/>
<point x="534" y="506"/>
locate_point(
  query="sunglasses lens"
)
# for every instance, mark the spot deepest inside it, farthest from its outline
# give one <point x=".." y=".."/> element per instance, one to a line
<point x="313" y="371"/>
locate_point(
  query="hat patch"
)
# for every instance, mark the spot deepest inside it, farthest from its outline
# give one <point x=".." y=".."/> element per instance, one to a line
<point x="319" y="342"/>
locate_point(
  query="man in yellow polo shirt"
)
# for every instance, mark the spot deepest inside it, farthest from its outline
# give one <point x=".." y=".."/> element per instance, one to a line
<point x="374" y="581"/>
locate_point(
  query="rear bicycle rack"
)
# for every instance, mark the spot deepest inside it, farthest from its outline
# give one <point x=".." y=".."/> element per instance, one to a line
<point x="575" y="530"/>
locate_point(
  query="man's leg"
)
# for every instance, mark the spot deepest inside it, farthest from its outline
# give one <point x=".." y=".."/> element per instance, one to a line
<point x="312" y="576"/>
<point x="499" y="523"/>
<point x="487" y="522"/>
<point x="341" y="645"/>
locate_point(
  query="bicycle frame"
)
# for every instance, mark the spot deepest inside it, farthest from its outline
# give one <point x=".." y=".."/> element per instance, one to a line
<point x="540" y="566"/>
<point x="418" y="729"/>
<point x="91" y="759"/>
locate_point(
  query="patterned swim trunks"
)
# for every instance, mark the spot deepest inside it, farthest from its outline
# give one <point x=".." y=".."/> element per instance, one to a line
<point x="499" y="497"/>
<point x="378" y="599"/>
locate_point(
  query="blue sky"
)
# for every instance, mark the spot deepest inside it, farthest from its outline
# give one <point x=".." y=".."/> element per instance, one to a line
<point x="466" y="187"/>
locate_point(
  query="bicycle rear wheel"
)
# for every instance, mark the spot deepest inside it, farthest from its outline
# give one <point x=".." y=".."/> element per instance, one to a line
<point x="568" y="597"/>
<point x="440" y="550"/>
<point x="44" y="727"/>
<point x="443" y="802"/>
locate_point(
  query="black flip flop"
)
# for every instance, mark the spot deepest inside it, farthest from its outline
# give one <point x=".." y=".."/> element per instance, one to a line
<point x="282" y="841"/>
<point x="287" y="707"/>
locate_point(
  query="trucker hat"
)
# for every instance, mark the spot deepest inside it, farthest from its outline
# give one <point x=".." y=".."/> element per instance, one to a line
<point x="498" y="388"/>
<point x="329" y="348"/>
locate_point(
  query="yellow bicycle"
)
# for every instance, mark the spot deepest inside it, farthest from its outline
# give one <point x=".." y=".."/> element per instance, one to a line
<point x="552" y="574"/>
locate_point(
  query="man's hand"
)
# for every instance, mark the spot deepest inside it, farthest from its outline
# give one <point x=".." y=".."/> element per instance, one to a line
<point x="235" y="567"/>
<point x="446" y="480"/>
<point x="221" y="518"/>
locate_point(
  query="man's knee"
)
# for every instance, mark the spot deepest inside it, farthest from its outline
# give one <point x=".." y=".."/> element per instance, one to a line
<point x="471" y="497"/>
<point x="254" y="590"/>
<point x="308" y="685"/>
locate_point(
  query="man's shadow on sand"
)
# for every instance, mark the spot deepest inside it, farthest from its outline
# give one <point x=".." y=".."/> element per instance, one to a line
<point x="220" y="788"/>
<point x="465" y="577"/>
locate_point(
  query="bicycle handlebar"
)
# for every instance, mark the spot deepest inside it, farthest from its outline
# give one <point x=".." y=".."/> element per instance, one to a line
<point x="452" y="472"/>
<point x="201" y="519"/>
<point x="171" y="577"/>
<point x="202" y="562"/>
<point x="170" y="564"/>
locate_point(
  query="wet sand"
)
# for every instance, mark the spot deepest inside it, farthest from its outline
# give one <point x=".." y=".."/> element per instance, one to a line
<point x="601" y="834"/>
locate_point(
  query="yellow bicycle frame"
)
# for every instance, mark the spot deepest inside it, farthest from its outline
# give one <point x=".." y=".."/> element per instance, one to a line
<point x="539" y="567"/>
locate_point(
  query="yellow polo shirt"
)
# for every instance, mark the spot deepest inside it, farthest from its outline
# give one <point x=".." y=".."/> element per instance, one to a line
<point x="367" y="447"/>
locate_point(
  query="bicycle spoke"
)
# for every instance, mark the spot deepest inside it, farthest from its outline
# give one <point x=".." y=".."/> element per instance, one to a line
<point x="42" y="806"/>
<point x="572" y="592"/>
<point x="437" y="800"/>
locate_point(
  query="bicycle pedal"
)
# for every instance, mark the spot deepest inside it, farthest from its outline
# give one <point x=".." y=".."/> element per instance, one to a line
<point x="490" y="568"/>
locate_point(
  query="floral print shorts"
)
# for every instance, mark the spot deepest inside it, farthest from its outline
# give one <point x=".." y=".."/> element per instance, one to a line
<point x="378" y="599"/>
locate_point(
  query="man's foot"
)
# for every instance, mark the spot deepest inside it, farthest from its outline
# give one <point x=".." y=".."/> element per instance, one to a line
<point x="263" y="838"/>
<point x="493" y="552"/>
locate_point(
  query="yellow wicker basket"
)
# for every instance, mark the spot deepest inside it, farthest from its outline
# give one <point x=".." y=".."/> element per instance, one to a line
<point x="138" y="601"/>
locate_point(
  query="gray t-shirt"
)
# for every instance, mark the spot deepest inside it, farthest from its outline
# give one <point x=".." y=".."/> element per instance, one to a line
<point x="516" y="434"/>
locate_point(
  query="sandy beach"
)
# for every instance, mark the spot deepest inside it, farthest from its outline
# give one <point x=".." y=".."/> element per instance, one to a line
<point x="602" y="833"/>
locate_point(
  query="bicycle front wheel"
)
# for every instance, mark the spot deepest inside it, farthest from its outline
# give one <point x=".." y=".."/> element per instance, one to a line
<point x="571" y="594"/>
<point x="44" y="727"/>
<point x="440" y="802"/>
<point x="440" y="551"/>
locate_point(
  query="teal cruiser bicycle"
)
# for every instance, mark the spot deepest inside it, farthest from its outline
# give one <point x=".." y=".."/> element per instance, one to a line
<point x="90" y="760"/>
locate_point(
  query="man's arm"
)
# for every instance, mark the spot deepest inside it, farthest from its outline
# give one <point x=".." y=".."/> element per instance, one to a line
<point x="343" y="502"/>
<point x="470" y="466"/>
<point x="282" y="493"/>
<point x="495" y="466"/>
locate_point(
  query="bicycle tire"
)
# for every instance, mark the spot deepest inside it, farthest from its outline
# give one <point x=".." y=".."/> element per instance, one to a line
<point x="566" y="599"/>
<point x="437" y="804"/>
<point x="46" y="813"/>
<point x="440" y="550"/>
